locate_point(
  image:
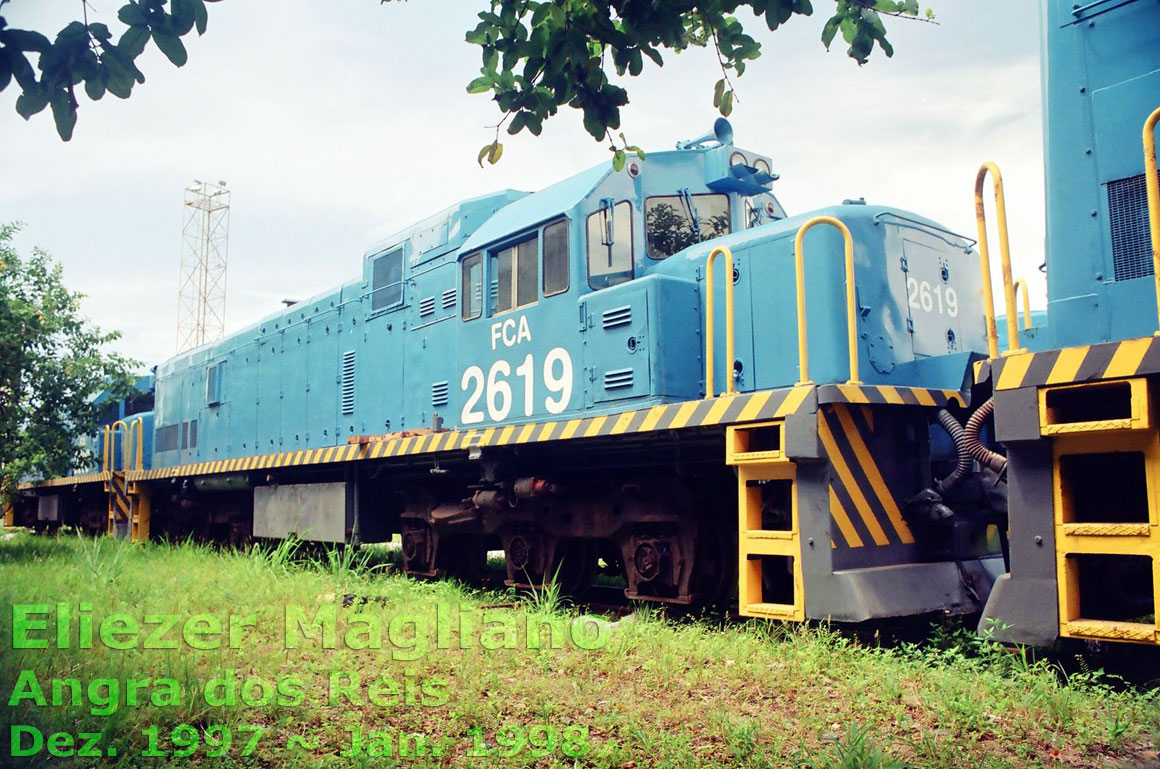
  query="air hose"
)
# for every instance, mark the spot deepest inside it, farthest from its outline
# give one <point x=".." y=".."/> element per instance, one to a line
<point x="981" y="453"/>
<point x="958" y="436"/>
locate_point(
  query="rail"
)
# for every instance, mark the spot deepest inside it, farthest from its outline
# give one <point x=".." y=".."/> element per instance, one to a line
<point x="1021" y="286"/>
<point x="851" y="303"/>
<point x="1005" y="257"/>
<point x="1153" y="186"/>
<point x="710" y="321"/>
<point x="135" y="459"/>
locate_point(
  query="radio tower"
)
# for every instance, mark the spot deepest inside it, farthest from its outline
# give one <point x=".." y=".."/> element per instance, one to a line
<point x="201" y="296"/>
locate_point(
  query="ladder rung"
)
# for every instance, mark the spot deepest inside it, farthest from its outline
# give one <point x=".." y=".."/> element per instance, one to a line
<point x="1112" y="631"/>
<point x="1107" y="529"/>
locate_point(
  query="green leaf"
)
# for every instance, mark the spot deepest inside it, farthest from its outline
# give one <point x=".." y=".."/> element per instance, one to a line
<point x="517" y="123"/>
<point x="64" y="113"/>
<point x="25" y="40"/>
<point x="171" y="46"/>
<point x="5" y="73"/>
<point x="495" y="154"/>
<point x="33" y="100"/>
<point x="183" y="15"/>
<point x="830" y="30"/>
<point x="727" y="104"/>
<point x="132" y="15"/>
<point x="618" y="159"/>
<point x="200" y="16"/>
<point x="95" y="87"/>
<point x="479" y="85"/>
<point x="718" y="92"/>
<point x="133" y="42"/>
<point x="483" y="153"/>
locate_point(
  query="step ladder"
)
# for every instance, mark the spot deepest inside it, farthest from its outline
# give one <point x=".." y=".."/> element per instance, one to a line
<point x="769" y="547"/>
<point x="1106" y="477"/>
<point x="128" y="501"/>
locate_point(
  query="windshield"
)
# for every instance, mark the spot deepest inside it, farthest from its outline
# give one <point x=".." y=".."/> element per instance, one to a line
<point x="675" y="222"/>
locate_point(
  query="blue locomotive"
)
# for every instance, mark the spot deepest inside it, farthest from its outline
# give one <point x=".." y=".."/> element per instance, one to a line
<point x="658" y="374"/>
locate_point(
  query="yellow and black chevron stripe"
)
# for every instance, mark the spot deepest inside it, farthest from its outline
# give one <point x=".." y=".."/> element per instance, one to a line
<point x="1112" y="360"/>
<point x="888" y="395"/>
<point x="747" y="407"/>
<point x="863" y="509"/>
<point x="726" y="409"/>
<point x="119" y="507"/>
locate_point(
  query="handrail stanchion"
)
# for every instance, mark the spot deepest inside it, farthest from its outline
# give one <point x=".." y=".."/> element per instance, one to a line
<point x="709" y="321"/>
<point x="1005" y="263"/>
<point x="1153" y="187"/>
<point x="1021" y="286"/>
<point x="851" y="301"/>
<point x="110" y="453"/>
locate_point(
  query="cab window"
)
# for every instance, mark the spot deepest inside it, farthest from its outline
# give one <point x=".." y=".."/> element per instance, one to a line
<point x="675" y="222"/>
<point x="556" y="267"/>
<point x="514" y="273"/>
<point x="387" y="280"/>
<point x="471" y="287"/>
<point x="610" y="245"/>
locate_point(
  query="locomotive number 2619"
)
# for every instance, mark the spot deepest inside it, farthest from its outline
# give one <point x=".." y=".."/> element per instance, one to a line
<point x="495" y="390"/>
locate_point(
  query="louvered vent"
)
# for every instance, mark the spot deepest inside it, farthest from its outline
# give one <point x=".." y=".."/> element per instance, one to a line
<point x="439" y="392"/>
<point x="1128" y="209"/>
<point x="617" y="316"/>
<point x="449" y="299"/>
<point x="348" y="383"/>
<point x="426" y="306"/>
<point x="614" y="380"/>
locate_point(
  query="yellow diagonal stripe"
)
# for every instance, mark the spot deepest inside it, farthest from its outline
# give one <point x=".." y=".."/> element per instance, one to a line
<point x="843" y="519"/>
<point x="839" y="463"/>
<point x="1067" y="364"/>
<point x="754" y="407"/>
<point x="505" y="435"/>
<point x="525" y="433"/>
<point x="594" y="428"/>
<point x="793" y="400"/>
<point x="717" y="410"/>
<point x="890" y="394"/>
<point x="1013" y="371"/>
<point x="683" y="413"/>
<point x="1127" y="359"/>
<point x="923" y="397"/>
<point x="569" y="429"/>
<point x="651" y="418"/>
<point x="622" y="422"/>
<point x="546" y="431"/>
<point x="870" y="467"/>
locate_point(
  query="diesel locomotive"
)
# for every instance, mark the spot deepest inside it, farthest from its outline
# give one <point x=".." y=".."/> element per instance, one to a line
<point x="659" y="375"/>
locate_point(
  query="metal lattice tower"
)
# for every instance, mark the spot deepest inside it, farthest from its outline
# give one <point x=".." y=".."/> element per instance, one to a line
<point x="201" y="296"/>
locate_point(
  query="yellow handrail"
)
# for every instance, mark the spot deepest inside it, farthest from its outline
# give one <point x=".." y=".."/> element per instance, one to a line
<point x="851" y="307"/>
<point x="709" y="321"/>
<point x="1022" y="287"/>
<point x="135" y="428"/>
<point x="985" y="263"/>
<point x="1153" y="187"/>
<point x="109" y="456"/>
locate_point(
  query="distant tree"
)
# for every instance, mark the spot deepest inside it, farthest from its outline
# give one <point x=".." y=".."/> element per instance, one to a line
<point x="52" y="361"/>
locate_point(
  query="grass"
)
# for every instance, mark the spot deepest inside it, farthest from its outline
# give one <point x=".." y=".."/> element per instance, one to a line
<point x="656" y="693"/>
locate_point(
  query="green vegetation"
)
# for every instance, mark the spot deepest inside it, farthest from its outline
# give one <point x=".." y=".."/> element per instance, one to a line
<point x="656" y="693"/>
<point x="52" y="361"/>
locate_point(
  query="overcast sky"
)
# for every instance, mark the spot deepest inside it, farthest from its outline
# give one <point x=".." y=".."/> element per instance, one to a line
<point x="333" y="128"/>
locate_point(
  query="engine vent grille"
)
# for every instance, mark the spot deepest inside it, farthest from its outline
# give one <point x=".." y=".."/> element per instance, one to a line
<point x="439" y="392"/>
<point x="449" y="299"/>
<point x="426" y="306"/>
<point x="617" y="316"/>
<point x="1128" y="209"/>
<point x="347" y="383"/>
<point x="615" y="380"/>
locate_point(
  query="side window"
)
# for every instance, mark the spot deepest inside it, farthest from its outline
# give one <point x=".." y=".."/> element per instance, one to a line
<point x="471" y="287"/>
<point x="213" y="383"/>
<point x="387" y="280"/>
<point x="675" y="222"/>
<point x="514" y="272"/>
<point x="556" y="267"/>
<point x="610" y="245"/>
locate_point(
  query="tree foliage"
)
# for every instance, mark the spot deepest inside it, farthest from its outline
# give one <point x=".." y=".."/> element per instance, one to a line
<point x="539" y="55"/>
<point x="84" y="55"/>
<point x="52" y="362"/>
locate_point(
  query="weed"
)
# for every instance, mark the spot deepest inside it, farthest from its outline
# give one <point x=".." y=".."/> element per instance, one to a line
<point x="855" y="750"/>
<point x="103" y="557"/>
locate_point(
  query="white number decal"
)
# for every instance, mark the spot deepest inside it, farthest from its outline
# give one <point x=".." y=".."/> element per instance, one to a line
<point x="499" y="392"/>
<point x="562" y="385"/>
<point x="920" y="296"/>
<point x="498" y="396"/>
<point x="470" y="416"/>
<point x="525" y="370"/>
